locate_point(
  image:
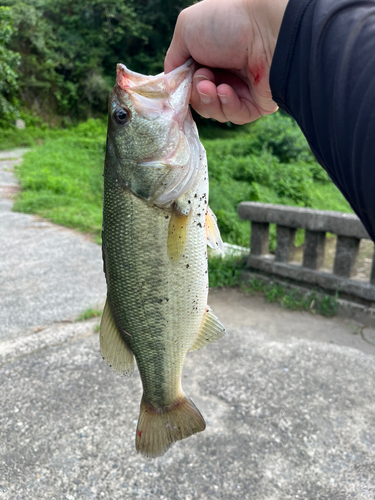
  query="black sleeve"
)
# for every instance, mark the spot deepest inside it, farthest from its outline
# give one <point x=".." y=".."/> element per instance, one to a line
<point x="323" y="75"/>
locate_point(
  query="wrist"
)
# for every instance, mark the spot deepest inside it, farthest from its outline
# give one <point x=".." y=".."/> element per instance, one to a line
<point x="275" y="12"/>
<point x="266" y="16"/>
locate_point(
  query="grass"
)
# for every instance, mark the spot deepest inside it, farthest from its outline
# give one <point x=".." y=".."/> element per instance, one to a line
<point x="224" y="271"/>
<point x="312" y="301"/>
<point x="62" y="180"/>
<point x="89" y="313"/>
<point x="12" y="138"/>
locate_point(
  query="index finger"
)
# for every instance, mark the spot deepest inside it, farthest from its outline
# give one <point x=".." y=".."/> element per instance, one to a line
<point x="178" y="52"/>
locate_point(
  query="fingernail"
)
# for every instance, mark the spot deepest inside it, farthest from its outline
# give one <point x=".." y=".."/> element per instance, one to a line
<point x="223" y="98"/>
<point x="199" y="78"/>
<point x="205" y="99"/>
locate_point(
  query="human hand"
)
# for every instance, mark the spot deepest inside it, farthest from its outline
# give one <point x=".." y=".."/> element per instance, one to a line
<point x="234" y="42"/>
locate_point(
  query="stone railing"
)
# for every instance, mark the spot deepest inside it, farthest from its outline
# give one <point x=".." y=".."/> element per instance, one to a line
<point x="316" y="223"/>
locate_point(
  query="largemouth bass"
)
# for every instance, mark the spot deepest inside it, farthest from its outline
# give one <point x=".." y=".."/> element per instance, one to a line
<point x="156" y="225"/>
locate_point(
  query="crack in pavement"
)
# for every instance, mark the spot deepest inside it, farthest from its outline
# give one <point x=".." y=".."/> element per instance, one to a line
<point x="53" y="336"/>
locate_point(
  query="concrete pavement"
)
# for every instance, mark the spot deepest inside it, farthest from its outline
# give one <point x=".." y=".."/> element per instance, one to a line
<point x="47" y="273"/>
<point x="288" y="398"/>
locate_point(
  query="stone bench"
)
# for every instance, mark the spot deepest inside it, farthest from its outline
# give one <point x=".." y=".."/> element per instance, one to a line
<point x="316" y="223"/>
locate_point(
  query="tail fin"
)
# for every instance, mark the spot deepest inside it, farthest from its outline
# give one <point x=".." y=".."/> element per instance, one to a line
<point x="158" y="429"/>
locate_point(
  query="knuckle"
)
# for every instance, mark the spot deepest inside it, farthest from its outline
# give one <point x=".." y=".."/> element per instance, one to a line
<point x="181" y="19"/>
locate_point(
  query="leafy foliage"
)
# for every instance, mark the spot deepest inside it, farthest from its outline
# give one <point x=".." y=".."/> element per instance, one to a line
<point x="9" y="61"/>
<point x="224" y="271"/>
<point x="160" y="16"/>
<point x="268" y="161"/>
<point x="69" y="49"/>
<point x="65" y="48"/>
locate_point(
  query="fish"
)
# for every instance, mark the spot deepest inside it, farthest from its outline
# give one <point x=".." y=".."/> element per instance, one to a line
<point x="156" y="227"/>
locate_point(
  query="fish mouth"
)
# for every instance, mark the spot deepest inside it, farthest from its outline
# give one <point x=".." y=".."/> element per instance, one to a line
<point x="153" y="96"/>
<point x="160" y="86"/>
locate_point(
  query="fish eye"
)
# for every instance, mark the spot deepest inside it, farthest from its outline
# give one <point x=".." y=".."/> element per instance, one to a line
<point x="122" y="116"/>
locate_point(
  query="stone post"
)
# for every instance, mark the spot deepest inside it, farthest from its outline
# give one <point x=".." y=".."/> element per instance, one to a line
<point x="313" y="249"/>
<point x="259" y="240"/>
<point x="285" y="246"/>
<point x="346" y="255"/>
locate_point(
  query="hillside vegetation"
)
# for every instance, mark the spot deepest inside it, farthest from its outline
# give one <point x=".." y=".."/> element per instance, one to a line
<point x="267" y="161"/>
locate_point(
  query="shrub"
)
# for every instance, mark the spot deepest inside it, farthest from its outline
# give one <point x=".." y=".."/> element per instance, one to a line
<point x="268" y="161"/>
<point x="224" y="271"/>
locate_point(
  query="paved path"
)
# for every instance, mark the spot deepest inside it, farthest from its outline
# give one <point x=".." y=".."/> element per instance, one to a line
<point x="288" y="398"/>
<point x="47" y="272"/>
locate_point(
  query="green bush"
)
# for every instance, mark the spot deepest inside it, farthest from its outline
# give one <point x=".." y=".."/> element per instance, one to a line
<point x="268" y="161"/>
<point x="224" y="271"/>
<point x="69" y="49"/>
<point x="280" y="135"/>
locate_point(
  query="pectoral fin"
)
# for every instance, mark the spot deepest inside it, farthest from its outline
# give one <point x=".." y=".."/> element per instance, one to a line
<point x="211" y="331"/>
<point x="113" y="347"/>
<point x="177" y="231"/>
<point x="212" y="232"/>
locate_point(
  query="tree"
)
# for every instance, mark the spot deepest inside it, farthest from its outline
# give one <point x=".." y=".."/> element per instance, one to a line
<point x="161" y="16"/>
<point x="64" y="47"/>
<point x="9" y="61"/>
<point x="69" y="49"/>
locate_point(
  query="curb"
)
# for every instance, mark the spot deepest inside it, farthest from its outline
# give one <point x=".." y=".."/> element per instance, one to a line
<point x="345" y="309"/>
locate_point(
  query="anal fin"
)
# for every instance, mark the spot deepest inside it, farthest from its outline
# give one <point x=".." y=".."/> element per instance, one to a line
<point x="211" y="331"/>
<point x="113" y="347"/>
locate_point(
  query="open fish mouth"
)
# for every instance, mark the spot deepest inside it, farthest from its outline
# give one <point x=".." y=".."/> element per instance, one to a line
<point x="156" y="87"/>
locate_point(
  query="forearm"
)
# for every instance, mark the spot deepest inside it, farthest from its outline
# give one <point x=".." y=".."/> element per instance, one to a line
<point x="323" y="74"/>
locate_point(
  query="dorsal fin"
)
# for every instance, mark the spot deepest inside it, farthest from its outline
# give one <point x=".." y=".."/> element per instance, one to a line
<point x="113" y="347"/>
<point x="211" y="331"/>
